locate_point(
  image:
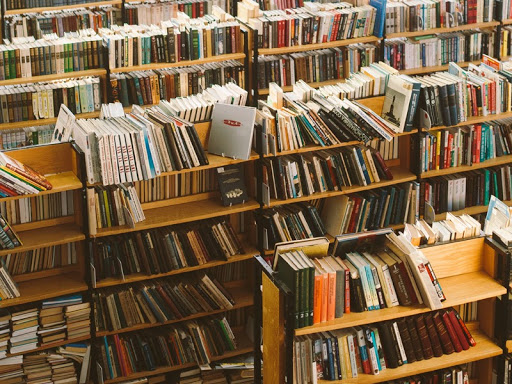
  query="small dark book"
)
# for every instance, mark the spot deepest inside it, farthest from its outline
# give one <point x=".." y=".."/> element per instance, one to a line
<point x="231" y="184"/>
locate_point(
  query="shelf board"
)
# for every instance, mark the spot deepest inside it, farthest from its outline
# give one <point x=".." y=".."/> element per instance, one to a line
<point x="53" y="120"/>
<point x="310" y="47"/>
<point x="61" y="7"/>
<point x="317" y="84"/>
<point x="506" y="21"/>
<point x="460" y="289"/>
<point x="141" y="277"/>
<point x="484" y="349"/>
<point x="243" y="297"/>
<point x="55" y="76"/>
<point x="52" y="345"/>
<point x="45" y="237"/>
<point x="509" y="346"/>
<point x="464" y="168"/>
<point x="46" y="288"/>
<point x="244" y="345"/>
<point x="181" y="213"/>
<point x="436" y="68"/>
<point x="185" y="63"/>
<point x="489" y="24"/>
<point x="474" y="210"/>
<point x="61" y="182"/>
<point x="475" y="120"/>
<point x="399" y="176"/>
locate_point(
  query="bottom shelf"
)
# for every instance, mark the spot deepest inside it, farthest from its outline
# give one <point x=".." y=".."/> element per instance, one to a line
<point x="244" y="346"/>
<point x="484" y="349"/>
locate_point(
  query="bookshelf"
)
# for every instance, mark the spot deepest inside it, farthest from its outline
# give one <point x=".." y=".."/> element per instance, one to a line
<point x="464" y="27"/>
<point x="9" y="12"/>
<point x="471" y="279"/>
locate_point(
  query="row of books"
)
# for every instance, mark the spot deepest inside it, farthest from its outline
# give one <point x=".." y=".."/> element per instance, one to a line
<point x="115" y="205"/>
<point x="506" y="42"/>
<point x="405" y="16"/>
<point x="8" y="237"/>
<point x="458" y="191"/>
<point x="165" y="249"/>
<point x="17" y="178"/>
<point x="454" y="375"/>
<point x="60" y="22"/>
<point x="43" y="100"/>
<point x="295" y="176"/>
<point x="346" y="354"/>
<point x="149" y="87"/>
<point x="312" y="24"/>
<point x="154" y="13"/>
<point x="434" y="50"/>
<point x="216" y="376"/>
<point x="455" y="147"/>
<point x="231" y="271"/>
<point x="172" y="42"/>
<point x="370" y="210"/>
<point x="40" y="259"/>
<point x="504" y="369"/>
<point x="27" y="57"/>
<point x="24" y="137"/>
<point x="30" y="209"/>
<point x="159" y="302"/>
<point x="22" y="4"/>
<point x="197" y="342"/>
<point x="289" y="222"/>
<point x="146" y="145"/>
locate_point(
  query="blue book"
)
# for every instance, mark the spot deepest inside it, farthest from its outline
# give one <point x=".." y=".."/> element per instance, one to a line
<point x="362" y="164"/>
<point x="380" y="17"/>
<point x="390" y="206"/>
<point x="109" y="362"/>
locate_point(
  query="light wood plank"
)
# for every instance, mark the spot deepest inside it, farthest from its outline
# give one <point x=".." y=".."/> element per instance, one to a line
<point x="465" y="168"/>
<point x="61" y="7"/>
<point x="53" y="120"/>
<point x="490" y="24"/>
<point x="54" y="76"/>
<point x="310" y="47"/>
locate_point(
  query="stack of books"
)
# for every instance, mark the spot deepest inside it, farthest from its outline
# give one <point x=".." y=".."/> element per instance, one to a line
<point x="12" y="373"/>
<point x="79" y="353"/>
<point x="25" y="325"/>
<point x="48" y="367"/>
<point x="52" y="324"/>
<point x="17" y="178"/>
<point x="5" y="332"/>
<point x="386" y="345"/>
<point x="8" y="287"/>
<point x="78" y="320"/>
<point x="8" y="237"/>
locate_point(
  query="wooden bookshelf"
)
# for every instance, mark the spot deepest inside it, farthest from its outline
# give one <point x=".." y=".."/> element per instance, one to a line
<point x="506" y="21"/>
<point x="55" y="76"/>
<point x="52" y="120"/>
<point x="437" y="68"/>
<point x="465" y="27"/>
<point x="475" y="120"/>
<point x="185" y="63"/>
<point x="61" y="7"/>
<point x="53" y="345"/>
<point x="474" y="210"/>
<point x="465" y="168"/>
<point x="318" y="84"/>
<point x="242" y="294"/>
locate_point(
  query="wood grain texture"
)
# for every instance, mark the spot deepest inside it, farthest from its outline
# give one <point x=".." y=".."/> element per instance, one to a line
<point x="310" y="47"/>
<point x="489" y="24"/>
<point x="55" y="76"/>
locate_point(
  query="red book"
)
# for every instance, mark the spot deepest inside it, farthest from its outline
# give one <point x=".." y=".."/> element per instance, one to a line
<point x="120" y="353"/>
<point x="444" y="337"/>
<point x="384" y="168"/>
<point x="8" y="191"/>
<point x="465" y="329"/>
<point x="355" y="213"/>
<point x="451" y="332"/>
<point x="458" y="330"/>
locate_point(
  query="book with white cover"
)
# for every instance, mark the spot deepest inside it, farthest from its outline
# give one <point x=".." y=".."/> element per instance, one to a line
<point x="232" y="131"/>
<point x="396" y="102"/>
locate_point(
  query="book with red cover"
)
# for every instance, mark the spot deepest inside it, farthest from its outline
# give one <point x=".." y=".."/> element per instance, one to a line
<point x="24" y="170"/>
<point x="465" y="329"/>
<point x="421" y="327"/>
<point x="443" y="334"/>
<point x="433" y="336"/>
<point x="458" y="330"/>
<point x="451" y="332"/>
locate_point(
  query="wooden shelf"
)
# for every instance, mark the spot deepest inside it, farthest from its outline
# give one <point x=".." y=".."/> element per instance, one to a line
<point x="311" y="47"/>
<point x="53" y="120"/>
<point x="474" y="210"/>
<point x="436" y="68"/>
<point x="141" y="277"/>
<point x="186" y="63"/>
<point x="46" y="288"/>
<point x="244" y="345"/>
<point x="61" y="7"/>
<point x="506" y="21"/>
<point x="399" y="176"/>
<point x="460" y="289"/>
<point x="45" y="237"/>
<point x="475" y="120"/>
<point x="182" y="213"/>
<point x="432" y="31"/>
<point x="317" y="84"/>
<point x="464" y="168"/>
<point x="509" y="346"/>
<point x="61" y="182"/>
<point x="55" y="76"/>
<point x="242" y="295"/>
<point x="53" y="345"/>
<point x="484" y="349"/>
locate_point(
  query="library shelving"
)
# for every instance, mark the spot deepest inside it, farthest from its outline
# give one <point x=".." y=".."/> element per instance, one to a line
<point x="9" y="12"/>
<point x="463" y="27"/>
<point x="466" y="280"/>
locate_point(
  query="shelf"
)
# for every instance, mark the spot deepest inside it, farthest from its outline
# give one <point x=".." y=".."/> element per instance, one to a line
<point x="474" y="210"/>
<point x="460" y="289"/>
<point x="242" y="295"/>
<point x="310" y="47"/>
<point x="182" y="213"/>
<point x="53" y="345"/>
<point x="55" y="76"/>
<point x="317" y="84"/>
<point x="432" y="31"/>
<point x="243" y="343"/>
<point x="61" y="7"/>
<point x="141" y="277"/>
<point x="465" y="168"/>
<point x="61" y="182"/>
<point x="509" y="346"/>
<point x="399" y="176"/>
<point x="45" y="237"/>
<point x="436" y="68"/>
<point x="475" y="120"/>
<point x="46" y="288"/>
<point x="506" y="21"/>
<point x="53" y="120"/>
<point x="484" y="349"/>
<point x="186" y="63"/>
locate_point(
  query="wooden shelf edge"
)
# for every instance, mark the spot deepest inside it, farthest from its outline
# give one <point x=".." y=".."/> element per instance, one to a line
<point x="436" y="68"/>
<point x="311" y="47"/>
<point x="62" y="7"/>
<point x="465" y="168"/>
<point x="474" y="120"/>
<point x="52" y="120"/>
<point x="488" y="24"/>
<point x="54" y="76"/>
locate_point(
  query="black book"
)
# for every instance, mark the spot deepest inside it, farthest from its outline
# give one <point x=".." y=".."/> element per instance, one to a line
<point x="231" y="184"/>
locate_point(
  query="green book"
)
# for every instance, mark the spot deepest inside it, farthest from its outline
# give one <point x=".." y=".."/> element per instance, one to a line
<point x="289" y="275"/>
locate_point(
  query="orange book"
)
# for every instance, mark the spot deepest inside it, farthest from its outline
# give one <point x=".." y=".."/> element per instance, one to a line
<point x="331" y="290"/>
<point x="324" y="292"/>
<point x="317" y="303"/>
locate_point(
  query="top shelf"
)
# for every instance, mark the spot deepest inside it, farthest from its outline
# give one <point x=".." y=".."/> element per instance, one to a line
<point x="310" y="47"/>
<point x="61" y="7"/>
<point x="54" y="76"/>
<point x="489" y="24"/>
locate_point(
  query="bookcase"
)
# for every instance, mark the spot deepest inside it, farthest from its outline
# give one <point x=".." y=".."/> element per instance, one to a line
<point x="471" y="279"/>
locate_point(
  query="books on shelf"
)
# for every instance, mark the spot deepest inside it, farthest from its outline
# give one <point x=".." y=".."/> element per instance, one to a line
<point x="400" y="102"/>
<point x="154" y="13"/>
<point x="8" y="237"/>
<point x="373" y="348"/>
<point x="24" y="334"/>
<point x="159" y="301"/>
<point x="165" y="249"/>
<point x="22" y="4"/>
<point x="323" y="22"/>
<point x="17" y="178"/>
<point x="25" y="137"/>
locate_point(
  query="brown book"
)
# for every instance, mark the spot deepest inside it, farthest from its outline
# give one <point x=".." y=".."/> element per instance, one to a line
<point x="415" y="339"/>
<point x="451" y="332"/>
<point x="398" y="279"/>
<point x="406" y="340"/>
<point x="52" y="319"/>
<point x="142" y="251"/>
<point x="27" y="324"/>
<point x="433" y="336"/>
<point x="446" y="342"/>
